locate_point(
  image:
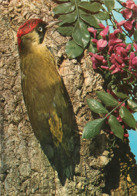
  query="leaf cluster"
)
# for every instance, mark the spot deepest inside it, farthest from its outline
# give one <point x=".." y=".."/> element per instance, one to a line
<point x="75" y="16"/>
<point x="93" y="128"/>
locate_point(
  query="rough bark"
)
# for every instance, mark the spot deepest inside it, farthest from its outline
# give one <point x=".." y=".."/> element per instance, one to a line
<point x="25" y="169"/>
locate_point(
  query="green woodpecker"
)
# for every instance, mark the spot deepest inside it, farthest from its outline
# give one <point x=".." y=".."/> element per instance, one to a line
<point x="44" y="94"/>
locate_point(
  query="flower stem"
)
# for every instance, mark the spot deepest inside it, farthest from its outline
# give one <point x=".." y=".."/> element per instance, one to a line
<point x="116" y="107"/>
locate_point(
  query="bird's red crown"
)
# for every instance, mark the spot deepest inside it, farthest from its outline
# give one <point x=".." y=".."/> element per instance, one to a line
<point x="26" y="28"/>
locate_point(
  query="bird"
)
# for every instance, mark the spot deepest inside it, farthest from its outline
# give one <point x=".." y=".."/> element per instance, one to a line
<point x="45" y="96"/>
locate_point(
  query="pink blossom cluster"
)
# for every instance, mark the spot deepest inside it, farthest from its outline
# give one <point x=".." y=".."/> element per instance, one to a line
<point x="130" y="13"/>
<point x="113" y="54"/>
<point x="116" y="57"/>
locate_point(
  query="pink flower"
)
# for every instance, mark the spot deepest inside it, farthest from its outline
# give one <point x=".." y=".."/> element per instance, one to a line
<point x="101" y="44"/>
<point x="135" y="11"/>
<point x="118" y="57"/>
<point x="135" y="46"/>
<point x="132" y="55"/>
<point x="116" y="70"/>
<point x="128" y="25"/>
<point x="92" y="30"/>
<point x="131" y="11"/>
<point x="128" y="47"/>
<point x="119" y="24"/>
<point x="120" y="50"/>
<point x="97" y="60"/>
<point x="126" y="13"/>
<point x="126" y="135"/>
<point x="101" y="26"/>
<point x="134" y="61"/>
<point x="119" y="118"/>
<point x="117" y="61"/>
<point x="113" y="39"/>
<point x="104" y="67"/>
<point x="104" y="32"/>
<point x="112" y="35"/>
<point x="112" y="67"/>
<point x="129" y="4"/>
<point x="94" y="40"/>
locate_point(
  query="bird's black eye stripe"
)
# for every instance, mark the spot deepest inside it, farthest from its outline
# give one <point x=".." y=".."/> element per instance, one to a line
<point x="40" y="29"/>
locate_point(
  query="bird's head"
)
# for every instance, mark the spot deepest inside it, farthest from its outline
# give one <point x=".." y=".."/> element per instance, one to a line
<point x="30" y="33"/>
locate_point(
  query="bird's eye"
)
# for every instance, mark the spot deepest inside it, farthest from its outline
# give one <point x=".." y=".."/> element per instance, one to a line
<point x="40" y="29"/>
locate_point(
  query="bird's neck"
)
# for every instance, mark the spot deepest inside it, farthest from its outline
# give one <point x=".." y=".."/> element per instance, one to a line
<point x="31" y="54"/>
<point x="28" y="48"/>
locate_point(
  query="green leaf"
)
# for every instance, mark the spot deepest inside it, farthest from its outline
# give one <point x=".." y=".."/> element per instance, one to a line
<point x="66" y="31"/>
<point x="135" y="35"/>
<point x="96" y="106"/>
<point x="107" y="99"/>
<point x="86" y="0"/>
<point x="92" y="128"/>
<point x="119" y="94"/>
<point x="64" y="8"/>
<point x="132" y="104"/>
<point x="90" y="6"/>
<point x="73" y="50"/>
<point x="90" y="19"/>
<point x="127" y="117"/>
<point x="75" y="1"/>
<point x="92" y="48"/>
<point x="80" y="34"/>
<point x="102" y="15"/>
<point x="116" y="127"/>
<point x="68" y="18"/>
<point x="62" y="0"/>
<point x="110" y="4"/>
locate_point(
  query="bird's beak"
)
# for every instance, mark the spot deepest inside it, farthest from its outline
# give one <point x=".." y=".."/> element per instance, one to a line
<point x="51" y="24"/>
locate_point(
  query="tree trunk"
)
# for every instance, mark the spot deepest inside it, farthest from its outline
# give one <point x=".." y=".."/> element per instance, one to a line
<point x="25" y="169"/>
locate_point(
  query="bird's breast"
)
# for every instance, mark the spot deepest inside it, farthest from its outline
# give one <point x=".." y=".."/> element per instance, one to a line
<point x="40" y="81"/>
